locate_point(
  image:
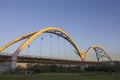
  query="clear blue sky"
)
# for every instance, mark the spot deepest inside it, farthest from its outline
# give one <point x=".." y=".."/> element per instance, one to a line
<point x="88" y="22"/>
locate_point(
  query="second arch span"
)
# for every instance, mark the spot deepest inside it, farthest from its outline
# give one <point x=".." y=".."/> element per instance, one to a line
<point x="53" y="30"/>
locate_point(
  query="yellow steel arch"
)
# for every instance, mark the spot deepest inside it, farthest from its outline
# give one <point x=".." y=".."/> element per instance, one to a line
<point x="16" y="40"/>
<point x="33" y="35"/>
<point x="92" y="47"/>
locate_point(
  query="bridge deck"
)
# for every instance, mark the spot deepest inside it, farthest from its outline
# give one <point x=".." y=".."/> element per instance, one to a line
<point x="30" y="59"/>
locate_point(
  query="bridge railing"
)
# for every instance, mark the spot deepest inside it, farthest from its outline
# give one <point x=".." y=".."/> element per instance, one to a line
<point x="33" y="56"/>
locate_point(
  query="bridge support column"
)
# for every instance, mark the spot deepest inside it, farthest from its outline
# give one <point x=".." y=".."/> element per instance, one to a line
<point x="13" y="62"/>
<point x="83" y="66"/>
<point x="4" y="67"/>
<point x="9" y="65"/>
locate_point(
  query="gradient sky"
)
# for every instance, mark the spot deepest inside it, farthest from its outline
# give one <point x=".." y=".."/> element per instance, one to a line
<point x="88" y="22"/>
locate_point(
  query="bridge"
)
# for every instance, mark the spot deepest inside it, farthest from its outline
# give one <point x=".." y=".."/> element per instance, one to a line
<point x="11" y="59"/>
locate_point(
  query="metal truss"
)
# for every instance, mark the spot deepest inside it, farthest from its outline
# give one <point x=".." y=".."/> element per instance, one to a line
<point x="31" y="36"/>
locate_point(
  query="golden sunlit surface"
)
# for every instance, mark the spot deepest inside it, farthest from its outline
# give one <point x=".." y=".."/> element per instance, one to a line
<point x="31" y="36"/>
<point x="22" y="66"/>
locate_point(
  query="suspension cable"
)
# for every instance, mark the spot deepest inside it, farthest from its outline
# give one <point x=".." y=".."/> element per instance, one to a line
<point x="51" y="46"/>
<point x="65" y="48"/>
<point x="71" y="53"/>
<point x="29" y="45"/>
<point x="28" y="48"/>
<point x="58" y="48"/>
<point x="41" y="46"/>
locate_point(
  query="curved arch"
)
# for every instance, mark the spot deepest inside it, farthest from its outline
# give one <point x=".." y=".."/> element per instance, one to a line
<point x="16" y="40"/>
<point x="33" y="35"/>
<point x="93" y="47"/>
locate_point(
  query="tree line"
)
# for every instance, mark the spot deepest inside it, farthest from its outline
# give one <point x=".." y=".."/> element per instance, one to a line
<point x="40" y="68"/>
